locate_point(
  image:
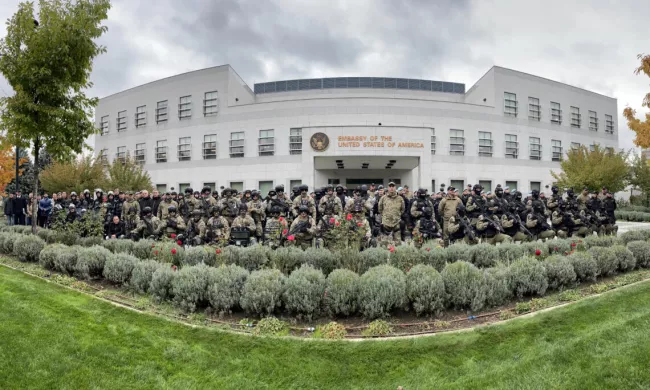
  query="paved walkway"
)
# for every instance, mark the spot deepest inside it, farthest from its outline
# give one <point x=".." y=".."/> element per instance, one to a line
<point x="624" y="226"/>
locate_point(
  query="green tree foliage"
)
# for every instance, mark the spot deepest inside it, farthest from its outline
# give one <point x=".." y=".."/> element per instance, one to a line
<point x="640" y="176"/>
<point x="28" y="171"/>
<point x="127" y="175"/>
<point x="594" y="169"/>
<point x="75" y="175"/>
<point x="47" y="60"/>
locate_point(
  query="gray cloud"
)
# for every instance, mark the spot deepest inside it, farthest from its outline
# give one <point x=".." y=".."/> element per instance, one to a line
<point x="590" y="44"/>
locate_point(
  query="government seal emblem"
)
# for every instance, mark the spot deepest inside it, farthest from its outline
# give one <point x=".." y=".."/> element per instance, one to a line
<point x="319" y="142"/>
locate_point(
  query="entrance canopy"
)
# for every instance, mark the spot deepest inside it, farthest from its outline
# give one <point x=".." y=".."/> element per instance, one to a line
<point x="358" y="170"/>
<point x="374" y="163"/>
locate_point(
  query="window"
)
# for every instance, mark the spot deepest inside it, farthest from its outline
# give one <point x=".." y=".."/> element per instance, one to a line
<point x="512" y="146"/>
<point x="484" y="144"/>
<point x="510" y="104"/>
<point x="592" y="147"/>
<point x="182" y="187"/>
<point x="121" y="121"/>
<point x="433" y="141"/>
<point x="295" y="141"/>
<point x="161" y="151"/>
<point x="162" y="188"/>
<point x="103" y="125"/>
<point x="265" y="187"/>
<point x="535" y="148"/>
<point x="103" y="156"/>
<point x="609" y="124"/>
<point x="486" y="184"/>
<point x="295" y="183"/>
<point x="161" y="111"/>
<point x="237" y="144"/>
<point x="140" y="116"/>
<point x="512" y="185"/>
<point x="121" y="154"/>
<point x="556" y="113"/>
<point x="535" y="185"/>
<point x="140" y="150"/>
<point x="576" y="121"/>
<point x="210" y="106"/>
<point x="211" y="185"/>
<point x="609" y="149"/>
<point x="534" y="109"/>
<point x="209" y="146"/>
<point x="457" y="142"/>
<point x="593" y="121"/>
<point x="237" y="185"/>
<point x="266" y="143"/>
<point x="556" y="149"/>
<point x="185" y="107"/>
<point x="433" y="186"/>
<point x="333" y="182"/>
<point x="184" y="149"/>
<point x="575" y="145"/>
<point x="458" y="184"/>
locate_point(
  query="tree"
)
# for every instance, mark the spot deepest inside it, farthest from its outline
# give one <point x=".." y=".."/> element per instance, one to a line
<point x="48" y="64"/>
<point x="640" y="176"/>
<point x="601" y="168"/>
<point x="127" y="175"/>
<point x="77" y="175"/>
<point x="8" y="166"/>
<point x="642" y="129"/>
<point x="28" y="169"/>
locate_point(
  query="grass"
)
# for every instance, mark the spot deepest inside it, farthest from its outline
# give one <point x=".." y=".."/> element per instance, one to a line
<point x="51" y="337"/>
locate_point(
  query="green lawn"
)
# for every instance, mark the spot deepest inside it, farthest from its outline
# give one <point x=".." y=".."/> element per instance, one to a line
<point x="51" y="337"/>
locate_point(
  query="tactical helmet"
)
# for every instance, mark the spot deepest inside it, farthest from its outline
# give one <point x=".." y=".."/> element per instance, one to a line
<point x="247" y="192"/>
<point x="254" y="194"/>
<point x="272" y="193"/>
<point x="339" y="188"/>
<point x="279" y="188"/>
<point x="517" y="195"/>
<point x="477" y="188"/>
<point x="147" y="211"/>
<point x="72" y="206"/>
<point x="243" y="207"/>
<point x="329" y="188"/>
<point x="227" y="191"/>
<point x="110" y="193"/>
<point x="358" y="206"/>
<point x="460" y="209"/>
<point x="73" y="194"/>
<point x="427" y="211"/>
<point x="554" y="189"/>
<point x="276" y="209"/>
<point x="364" y="188"/>
<point x="214" y="210"/>
<point x="206" y="190"/>
<point x="422" y="192"/>
<point x="303" y="209"/>
<point x="172" y="209"/>
<point x="534" y="194"/>
<point x="189" y="190"/>
<point x="197" y="193"/>
<point x="196" y="213"/>
<point x="133" y="210"/>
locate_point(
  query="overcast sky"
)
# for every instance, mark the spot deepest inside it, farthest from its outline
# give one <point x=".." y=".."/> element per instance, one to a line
<point x="589" y="44"/>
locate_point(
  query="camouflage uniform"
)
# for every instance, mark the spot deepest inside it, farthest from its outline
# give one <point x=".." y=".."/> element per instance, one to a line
<point x="426" y="229"/>
<point x="195" y="233"/>
<point x="205" y="204"/>
<point x="330" y="205"/>
<point x="326" y="236"/>
<point x="511" y="228"/>
<point x="131" y="221"/>
<point x="391" y="207"/>
<point x="274" y="231"/>
<point x="447" y="209"/>
<point x="583" y="201"/>
<point x="245" y="221"/>
<point x="535" y="227"/>
<point x="163" y="209"/>
<point x="229" y="206"/>
<point x="489" y="228"/>
<point x="217" y="231"/>
<point x="256" y="212"/>
<point x="557" y="222"/>
<point x="145" y="228"/>
<point x="349" y="205"/>
<point x="302" y="237"/>
<point x="304" y="200"/>
<point x="127" y="205"/>
<point x="455" y="230"/>
<point x="360" y="234"/>
<point x="580" y="229"/>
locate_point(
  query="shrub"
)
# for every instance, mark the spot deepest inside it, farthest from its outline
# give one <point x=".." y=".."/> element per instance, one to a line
<point x="49" y="254"/>
<point x="496" y="286"/>
<point x="262" y="291"/>
<point x="225" y="287"/>
<point x="109" y="244"/>
<point x="7" y="242"/>
<point x="168" y="252"/>
<point x="303" y="292"/>
<point x="68" y="238"/>
<point x="559" y="246"/>
<point x="559" y="272"/>
<point x="584" y="266"/>
<point x="118" y="268"/>
<point x="257" y="256"/>
<point x="199" y="255"/>
<point x="464" y="285"/>
<point x="361" y="262"/>
<point x="606" y="260"/>
<point x="538" y="250"/>
<point x="228" y="255"/>
<point x="527" y="276"/>
<point x="597" y="241"/>
<point x="161" y="283"/>
<point x="378" y="328"/>
<point x="321" y="259"/>
<point x="89" y="241"/>
<point x="190" y="286"/>
<point x="270" y="326"/>
<point x="143" y="273"/>
<point x="66" y="260"/>
<point x="425" y="290"/>
<point x="45" y="234"/>
<point x="381" y="289"/>
<point x="90" y="262"/>
<point x="142" y="249"/>
<point x="458" y="252"/>
<point x="123" y="246"/>
<point x="27" y="248"/>
<point x="341" y="292"/>
<point x="632" y="235"/>
<point x="626" y="260"/>
<point x="483" y="255"/>
<point x="333" y="331"/>
<point x="641" y="252"/>
<point x="405" y="257"/>
<point x="509" y="253"/>
<point x="435" y="257"/>
<point x="286" y="259"/>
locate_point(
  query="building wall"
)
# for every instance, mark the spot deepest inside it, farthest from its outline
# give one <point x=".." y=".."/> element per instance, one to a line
<point x="404" y="115"/>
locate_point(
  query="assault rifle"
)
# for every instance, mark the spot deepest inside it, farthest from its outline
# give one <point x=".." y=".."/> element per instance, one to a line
<point x="301" y="227"/>
<point x="522" y="227"/>
<point x="467" y="229"/>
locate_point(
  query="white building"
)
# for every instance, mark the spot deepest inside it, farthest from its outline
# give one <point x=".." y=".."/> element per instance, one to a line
<point x="208" y="127"/>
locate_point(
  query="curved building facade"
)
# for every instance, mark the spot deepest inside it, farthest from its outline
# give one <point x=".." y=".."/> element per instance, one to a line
<point x="208" y="127"/>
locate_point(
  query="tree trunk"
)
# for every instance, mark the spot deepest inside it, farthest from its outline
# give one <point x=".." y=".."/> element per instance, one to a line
<point x="37" y="146"/>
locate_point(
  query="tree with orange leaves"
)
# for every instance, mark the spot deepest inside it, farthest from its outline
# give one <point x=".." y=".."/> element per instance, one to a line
<point x="8" y="166"/>
<point x="642" y="129"/>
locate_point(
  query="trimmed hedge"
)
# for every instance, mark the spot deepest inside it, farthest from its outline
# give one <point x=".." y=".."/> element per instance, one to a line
<point x="91" y="261"/>
<point x="190" y="287"/>
<point x="341" y="293"/>
<point x="381" y="290"/>
<point x="225" y="287"/>
<point x="606" y="260"/>
<point x="303" y="292"/>
<point x="118" y="268"/>
<point x="143" y="274"/>
<point x="641" y="252"/>
<point x="263" y="291"/>
<point x="28" y="247"/>
<point x="560" y="272"/>
<point x="464" y="284"/>
<point x="527" y="276"/>
<point x="425" y="289"/>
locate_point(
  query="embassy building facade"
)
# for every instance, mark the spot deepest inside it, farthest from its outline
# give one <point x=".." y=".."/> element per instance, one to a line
<point x="208" y="127"/>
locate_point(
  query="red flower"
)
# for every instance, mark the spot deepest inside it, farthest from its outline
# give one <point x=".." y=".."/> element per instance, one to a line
<point x="573" y="244"/>
<point x="179" y="242"/>
<point x="332" y="220"/>
<point x="359" y="224"/>
<point x="218" y="251"/>
<point x="173" y="235"/>
<point x="348" y="217"/>
<point x="155" y="252"/>
<point x="173" y="251"/>
<point x="428" y="249"/>
<point x="338" y="223"/>
<point x="153" y="245"/>
<point x="284" y="232"/>
<point x="281" y="219"/>
<point x="557" y="249"/>
<point x="391" y="249"/>
<point x="174" y="267"/>
<point x="538" y="252"/>
<point x="291" y="238"/>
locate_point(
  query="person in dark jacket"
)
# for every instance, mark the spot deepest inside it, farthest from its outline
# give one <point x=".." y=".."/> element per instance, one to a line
<point x="156" y="201"/>
<point x="145" y="201"/>
<point x="115" y="229"/>
<point x="19" y="208"/>
<point x="9" y="209"/>
<point x="44" y="210"/>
